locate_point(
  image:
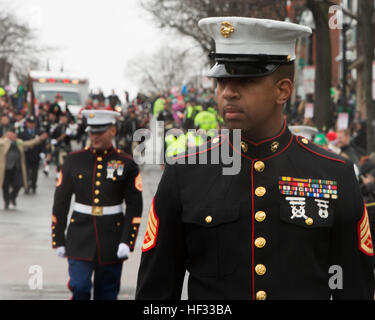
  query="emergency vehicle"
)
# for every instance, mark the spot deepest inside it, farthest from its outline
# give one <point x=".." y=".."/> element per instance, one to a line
<point x="45" y="85"/>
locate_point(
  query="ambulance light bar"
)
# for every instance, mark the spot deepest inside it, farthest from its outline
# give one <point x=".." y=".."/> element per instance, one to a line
<point x="53" y="80"/>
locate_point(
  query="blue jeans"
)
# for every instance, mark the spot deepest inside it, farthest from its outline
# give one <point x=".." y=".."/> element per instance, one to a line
<point x="20" y="104"/>
<point x="106" y="280"/>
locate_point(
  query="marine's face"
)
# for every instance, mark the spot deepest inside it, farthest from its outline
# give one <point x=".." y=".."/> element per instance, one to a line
<point x="102" y="140"/>
<point x="246" y="103"/>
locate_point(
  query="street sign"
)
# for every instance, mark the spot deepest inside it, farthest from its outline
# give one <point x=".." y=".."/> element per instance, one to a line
<point x="308" y="76"/>
<point x="342" y="121"/>
<point x="309" y="110"/>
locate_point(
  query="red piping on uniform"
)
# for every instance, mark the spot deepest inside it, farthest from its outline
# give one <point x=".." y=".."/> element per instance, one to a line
<point x="93" y="182"/>
<point x="97" y="240"/>
<point x="252" y="229"/>
<point x="125" y="155"/>
<point x="267" y="158"/>
<point x="112" y="262"/>
<point x="269" y="139"/>
<point x="68" y="285"/>
<point x="81" y="259"/>
<point x="196" y="153"/>
<point x="318" y="154"/>
<point x="91" y="260"/>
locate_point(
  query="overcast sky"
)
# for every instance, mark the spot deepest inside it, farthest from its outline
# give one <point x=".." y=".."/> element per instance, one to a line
<point x="96" y="37"/>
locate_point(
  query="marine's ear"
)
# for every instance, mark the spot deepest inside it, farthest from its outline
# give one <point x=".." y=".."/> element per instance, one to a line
<point x="113" y="130"/>
<point x="284" y="90"/>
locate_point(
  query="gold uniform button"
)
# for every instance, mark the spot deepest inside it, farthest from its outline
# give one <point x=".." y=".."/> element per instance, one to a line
<point x="261" y="295"/>
<point x="114" y="178"/>
<point x="54" y="243"/>
<point x="208" y="219"/>
<point x="99" y="159"/>
<point x="53" y="227"/>
<point x="260" y="191"/>
<point x="309" y="221"/>
<point x="98" y="183"/>
<point x="274" y="146"/>
<point x="53" y="235"/>
<point x="260" y="269"/>
<point x="244" y="146"/>
<point x="260" y="242"/>
<point x="97" y="192"/>
<point x="118" y="224"/>
<point x="98" y="174"/>
<point x="72" y="220"/>
<point x="259" y="166"/>
<point x="80" y="176"/>
<point x="260" y="216"/>
<point x="100" y="167"/>
<point x="96" y="200"/>
<point x="305" y="141"/>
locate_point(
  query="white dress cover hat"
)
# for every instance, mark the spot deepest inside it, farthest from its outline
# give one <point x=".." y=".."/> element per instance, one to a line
<point x="99" y="120"/>
<point x="250" y="47"/>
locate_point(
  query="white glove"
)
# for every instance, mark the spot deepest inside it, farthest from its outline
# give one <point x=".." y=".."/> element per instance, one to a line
<point x="123" y="251"/>
<point x="68" y="132"/>
<point x="42" y="156"/>
<point x="60" y="252"/>
<point x="53" y="141"/>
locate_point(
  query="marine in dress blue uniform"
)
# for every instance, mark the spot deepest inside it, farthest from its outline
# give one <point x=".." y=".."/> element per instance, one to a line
<point x="99" y="235"/>
<point x="276" y="229"/>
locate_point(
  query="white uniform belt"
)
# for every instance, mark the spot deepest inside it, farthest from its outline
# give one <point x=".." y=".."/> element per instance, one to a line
<point x="97" y="210"/>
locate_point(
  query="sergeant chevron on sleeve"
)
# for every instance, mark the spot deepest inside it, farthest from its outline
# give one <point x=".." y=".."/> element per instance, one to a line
<point x="274" y="230"/>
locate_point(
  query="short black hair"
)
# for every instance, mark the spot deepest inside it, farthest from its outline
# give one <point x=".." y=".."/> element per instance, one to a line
<point x="284" y="71"/>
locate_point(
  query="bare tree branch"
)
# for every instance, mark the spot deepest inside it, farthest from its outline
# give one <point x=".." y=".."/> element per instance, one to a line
<point x="18" y="45"/>
<point x="183" y="15"/>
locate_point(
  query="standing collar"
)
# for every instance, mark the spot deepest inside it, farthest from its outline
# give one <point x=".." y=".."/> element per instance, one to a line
<point x="267" y="148"/>
<point x="101" y="152"/>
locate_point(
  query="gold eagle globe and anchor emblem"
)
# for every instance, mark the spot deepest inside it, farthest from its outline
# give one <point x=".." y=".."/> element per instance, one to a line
<point x="226" y="29"/>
